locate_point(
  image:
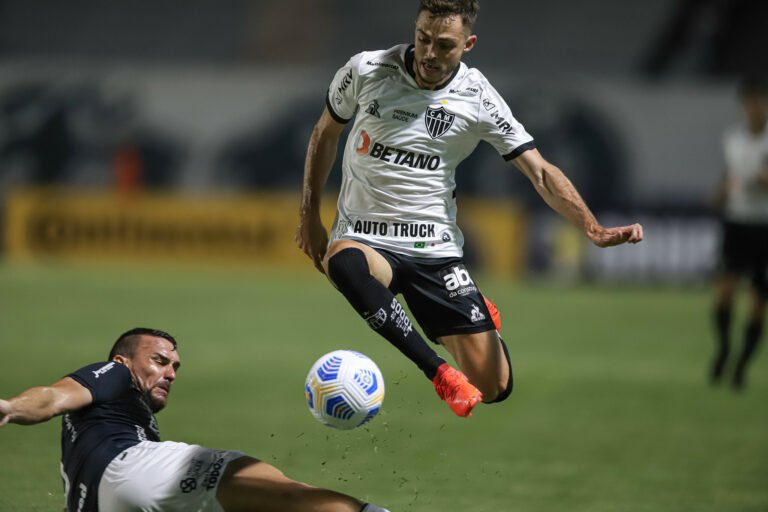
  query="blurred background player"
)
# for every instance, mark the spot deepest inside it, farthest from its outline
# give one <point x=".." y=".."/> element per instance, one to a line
<point x="112" y="456"/>
<point x="743" y="196"/>
<point x="418" y="112"/>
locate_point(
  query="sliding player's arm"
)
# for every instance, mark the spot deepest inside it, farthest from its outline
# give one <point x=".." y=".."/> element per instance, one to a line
<point x="560" y="194"/>
<point x="311" y="235"/>
<point x="41" y="403"/>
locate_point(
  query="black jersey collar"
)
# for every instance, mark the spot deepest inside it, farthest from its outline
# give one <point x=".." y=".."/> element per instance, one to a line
<point x="409" y="68"/>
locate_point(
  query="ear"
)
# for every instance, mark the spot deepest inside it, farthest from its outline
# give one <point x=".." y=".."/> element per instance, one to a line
<point x="470" y="43"/>
<point x="122" y="360"/>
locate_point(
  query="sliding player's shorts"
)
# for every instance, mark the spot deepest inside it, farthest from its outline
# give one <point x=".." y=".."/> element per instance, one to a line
<point x="164" y="476"/>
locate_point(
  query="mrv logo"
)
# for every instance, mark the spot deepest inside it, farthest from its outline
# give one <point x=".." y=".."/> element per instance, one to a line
<point x="396" y="155"/>
<point x="345" y="81"/>
<point x="503" y="124"/>
<point x="458" y="282"/>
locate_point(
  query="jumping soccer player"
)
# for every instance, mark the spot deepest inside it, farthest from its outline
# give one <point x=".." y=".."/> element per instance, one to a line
<point x="418" y="112"/>
<point x="113" y="459"/>
<point x="744" y="197"/>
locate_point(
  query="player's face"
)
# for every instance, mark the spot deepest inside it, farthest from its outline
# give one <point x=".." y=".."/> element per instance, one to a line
<point x="440" y="44"/>
<point x="154" y="367"/>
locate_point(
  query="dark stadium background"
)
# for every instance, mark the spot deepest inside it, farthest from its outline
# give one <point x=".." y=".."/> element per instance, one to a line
<point x="150" y="164"/>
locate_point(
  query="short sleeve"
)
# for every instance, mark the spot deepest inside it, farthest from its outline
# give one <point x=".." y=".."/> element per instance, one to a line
<point x="106" y="381"/>
<point x="499" y="127"/>
<point x="342" y="93"/>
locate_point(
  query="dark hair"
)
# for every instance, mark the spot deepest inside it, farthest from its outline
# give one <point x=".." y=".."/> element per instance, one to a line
<point x="467" y="9"/>
<point x="126" y="343"/>
<point x="753" y="85"/>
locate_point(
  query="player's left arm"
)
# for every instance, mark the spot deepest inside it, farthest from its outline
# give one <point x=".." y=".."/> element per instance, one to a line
<point x="41" y="403"/>
<point x="560" y="194"/>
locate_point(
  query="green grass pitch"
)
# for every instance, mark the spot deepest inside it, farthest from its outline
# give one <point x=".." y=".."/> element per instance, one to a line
<point x="611" y="410"/>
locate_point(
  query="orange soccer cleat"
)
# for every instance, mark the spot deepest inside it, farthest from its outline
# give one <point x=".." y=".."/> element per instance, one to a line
<point x="454" y="388"/>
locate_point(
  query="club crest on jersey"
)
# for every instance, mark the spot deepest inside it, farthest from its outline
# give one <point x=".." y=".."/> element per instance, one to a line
<point x="438" y="121"/>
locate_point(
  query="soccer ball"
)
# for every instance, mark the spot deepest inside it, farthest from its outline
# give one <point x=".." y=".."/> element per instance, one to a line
<point x="344" y="389"/>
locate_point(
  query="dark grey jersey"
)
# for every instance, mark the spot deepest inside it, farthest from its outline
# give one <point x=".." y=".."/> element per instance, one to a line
<point x="118" y="418"/>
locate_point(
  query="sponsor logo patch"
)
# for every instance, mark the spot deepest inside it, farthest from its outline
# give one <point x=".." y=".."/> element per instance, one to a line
<point x="70" y="427"/>
<point x="83" y="495"/>
<point x="343" y="87"/>
<point x="393" y="229"/>
<point x="397" y="156"/>
<point x="383" y="65"/>
<point x="457" y="281"/>
<point x="467" y="92"/>
<point x="504" y="125"/>
<point x="343" y="227"/>
<point x="104" y="369"/>
<point x="403" y="115"/>
<point x="188" y="485"/>
<point x="398" y="316"/>
<point x="213" y="473"/>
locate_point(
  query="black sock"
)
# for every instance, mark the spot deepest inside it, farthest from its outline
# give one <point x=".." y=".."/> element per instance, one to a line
<point x="723" y="323"/>
<point x="722" y="318"/>
<point x="348" y="269"/>
<point x="752" y="335"/>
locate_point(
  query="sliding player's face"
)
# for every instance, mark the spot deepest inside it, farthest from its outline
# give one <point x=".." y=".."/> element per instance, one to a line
<point x="440" y="44"/>
<point x="154" y="367"/>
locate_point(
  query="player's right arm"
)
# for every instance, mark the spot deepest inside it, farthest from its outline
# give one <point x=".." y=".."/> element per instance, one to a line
<point x="560" y="194"/>
<point x="311" y="235"/>
<point x="41" y="403"/>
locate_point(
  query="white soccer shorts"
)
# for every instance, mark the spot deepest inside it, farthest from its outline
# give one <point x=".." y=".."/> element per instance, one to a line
<point x="164" y="476"/>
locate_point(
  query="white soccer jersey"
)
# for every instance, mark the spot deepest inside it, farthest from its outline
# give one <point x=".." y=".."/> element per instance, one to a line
<point x="746" y="155"/>
<point x="398" y="183"/>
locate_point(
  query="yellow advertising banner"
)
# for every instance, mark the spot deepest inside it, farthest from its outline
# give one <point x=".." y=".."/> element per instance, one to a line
<point x="494" y="235"/>
<point x="79" y="225"/>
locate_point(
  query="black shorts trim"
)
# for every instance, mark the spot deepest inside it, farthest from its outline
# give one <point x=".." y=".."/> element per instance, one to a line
<point x="475" y="329"/>
<point x="510" y="381"/>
